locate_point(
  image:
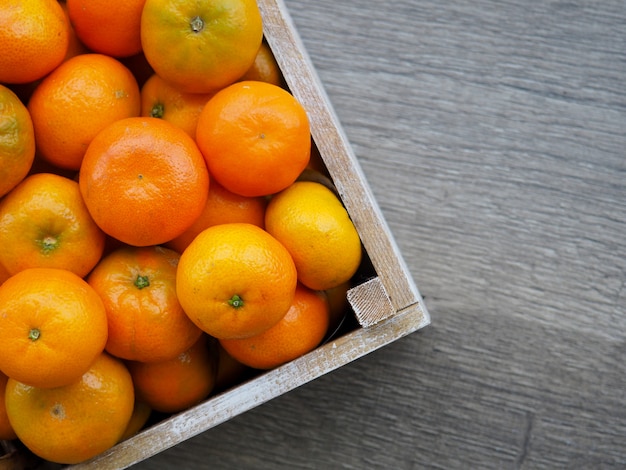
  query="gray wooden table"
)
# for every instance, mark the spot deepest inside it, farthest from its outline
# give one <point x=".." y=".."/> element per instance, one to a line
<point x="493" y="135"/>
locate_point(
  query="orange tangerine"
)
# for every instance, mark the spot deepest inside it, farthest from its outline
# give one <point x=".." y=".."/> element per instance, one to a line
<point x="146" y="321"/>
<point x="108" y="29"/>
<point x="144" y="181"/>
<point x="162" y="100"/>
<point x="7" y="432"/>
<point x="222" y="207"/>
<point x="201" y="47"/>
<point x="76" y="101"/>
<point x="17" y="140"/>
<point x="176" y="384"/>
<point x="297" y="333"/>
<point x="45" y="222"/>
<point x="72" y="423"/>
<point x="34" y="37"/>
<point x="255" y="137"/>
<point x="52" y="327"/>
<point x="235" y="280"/>
<point x="311" y="222"/>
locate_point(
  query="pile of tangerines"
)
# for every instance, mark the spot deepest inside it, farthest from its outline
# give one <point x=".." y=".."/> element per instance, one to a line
<point x="162" y="215"/>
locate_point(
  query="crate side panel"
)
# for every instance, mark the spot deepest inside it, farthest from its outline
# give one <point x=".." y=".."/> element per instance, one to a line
<point x="246" y="396"/>
<point x="338" y="156"/>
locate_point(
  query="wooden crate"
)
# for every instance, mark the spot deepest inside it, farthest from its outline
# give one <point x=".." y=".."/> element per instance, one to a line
<point x="385" y="303"/>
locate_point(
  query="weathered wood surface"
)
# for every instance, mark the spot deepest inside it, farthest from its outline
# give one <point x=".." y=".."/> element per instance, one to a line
<point x="493" y="135"/>
<point x="397" y="286"/>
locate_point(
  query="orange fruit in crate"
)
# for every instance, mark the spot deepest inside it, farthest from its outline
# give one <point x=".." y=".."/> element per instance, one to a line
<point x="255" y="138"/>
<point x="300" y="331"/>
<point x="175" y="385"/>
<point x="138" y="288"/>
<point x="222" y="207"/>
<point x="310" y="221"/>
<point x="75" y="422"/>
<point x="34" y="37"/>
<point x="76" y="46"/>
<point x="45" y="223"/>
<point x="111" y="29"/>
<point x="4" y="274"/>
<point x="264" y="68"/>
<point x="235" y="280"/>
<point x="161" y="100"/>
<point x="200" y="47"/>
<point x="139" y="418"/>
<point x="76" y="101"/>
<point x="144" y="181"/>
<point x="52" y="327"/>
<point x="6" y="430"/>
<point x="17" y="140"/>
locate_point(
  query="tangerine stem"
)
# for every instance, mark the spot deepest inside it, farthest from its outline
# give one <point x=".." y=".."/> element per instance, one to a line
<point x="236" y="301"/>
<point x="157" y="110"/>
<point x="48" y="243"/>
<point x="142" y="281"/>
<point x="197" y="24"/>
<point x="34" y="334"/>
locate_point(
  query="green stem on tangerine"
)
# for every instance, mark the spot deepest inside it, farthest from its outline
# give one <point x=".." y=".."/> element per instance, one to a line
<point x="236" y="301"/>
<point x="197" y="24"/>
<point x="34" y="334"/>
<point x="142" y="281"/>
<point x="157" y="110"/>
<point x="48" y="243"/>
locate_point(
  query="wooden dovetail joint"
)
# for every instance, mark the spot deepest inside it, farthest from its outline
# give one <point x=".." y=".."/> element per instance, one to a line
<point x="370" y="302"/>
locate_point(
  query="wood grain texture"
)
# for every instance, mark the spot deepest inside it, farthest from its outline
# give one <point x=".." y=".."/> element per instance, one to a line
<point x="493" y="136"/>
<point x="332" y="354"/>
<point x="336" y="152"/>
<point x="370" y="302"/>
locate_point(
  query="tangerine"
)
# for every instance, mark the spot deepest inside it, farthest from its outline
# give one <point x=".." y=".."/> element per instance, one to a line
<point x="34" y="37"/>
<point x="72" y="423"/>
<point x="201" y="47"/>
<point x="45" y="223"/>
<point x="75" y="46"/>
<point x="7" y="432"/>
<point x="111" y="31"/>
<point x="235" y="280"/>
<point x="255" y="137"/>
<point x="4" y="274"/>
<point x="300" y="331"/>
<point x="161" y="100"/>
<point x="52" y="327"/>
<point x="17" y="140"/>
<point x="139" y="418"/>
<point x="264" y="68"/>
<point x="174" y="385"/>
<point x="222" y="207"/>
<point x="76" y="101"/>
<point x="138" y="287"/>
<point x="144" y="181"/>
<point x="310" y="221"/>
